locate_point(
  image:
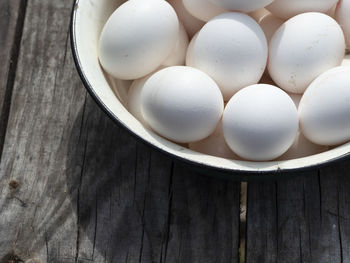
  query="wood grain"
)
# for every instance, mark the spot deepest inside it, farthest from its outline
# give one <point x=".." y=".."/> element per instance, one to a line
<point x="136" y="205"/>
<point x="75" y="187"/>
<point x="300" y="220"/>
<point x="47" y="97"/>
<point x="11" y="24"/>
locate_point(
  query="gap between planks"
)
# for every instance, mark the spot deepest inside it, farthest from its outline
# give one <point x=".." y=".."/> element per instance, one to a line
<point x="243" y="222"/>
<point x="12" y="65"/>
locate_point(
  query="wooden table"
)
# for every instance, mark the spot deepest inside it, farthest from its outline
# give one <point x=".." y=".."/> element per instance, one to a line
<point x="77" y="188"/>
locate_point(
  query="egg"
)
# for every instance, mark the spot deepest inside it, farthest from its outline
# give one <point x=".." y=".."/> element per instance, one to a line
<point x="203" y="9"/>
<point x="242" y="5"/>
<point x="342" y="15"/>
<point x="232" y="49"/>
<point x="214" y="145"/>
<point x="260" y="122"/>
<point x="258" y="14"/>
<point x="289" y="8"/>
<point x="269" y="24"/>
<point x="295" y="98"/>
<point x="178" y="55"/>
<point x="331" y="12"/>
<point x="266" y="79"/>
<point x="346" y="61"/>
<point x="304" y="47"/>
<point x="301" y="147"/>
<point x="137" y="38"/>
<point x="191" y="24"/>
<point x="324" y="109"/>
<point x="189" y="57"/>
<point x="182" y="104"/>
<point x="134" y="99"/>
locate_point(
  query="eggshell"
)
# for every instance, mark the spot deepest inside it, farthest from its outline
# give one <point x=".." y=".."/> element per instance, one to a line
<point x="257" y="15"/>
<point x="214" y="145"/>
<point x="346" y="61"/>
<point x="135" y="41"/>
<point x="260" y="122"/>
<point x="182" y="104"/>
<point x="189" y="54"/>
<point x="298" y="56"/>
<point x="203" y="9"/>
<point x="302" y="147"/>
<point x="331" y="12"/>
<point x="134" y="99"/>
<point x="289" y="8"/>
<point x="269" y="24"/>
<point x="232" y="49"/>
<point x="295" y="98"/>
<point x="266" y="79"/>
<point x="242" y="5"/>
<point x="191" y="24"/>
<point x="324" y="109"/>
<point x="178" y="55"/>
<point x="342" y="15"/>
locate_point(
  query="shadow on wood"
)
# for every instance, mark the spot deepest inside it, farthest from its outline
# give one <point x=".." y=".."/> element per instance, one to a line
<point x="134" y="204"/>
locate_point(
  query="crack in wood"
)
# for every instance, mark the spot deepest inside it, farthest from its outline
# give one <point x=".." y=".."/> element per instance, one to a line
<point x="11" y="74"/>
<point x="168" y="220"/>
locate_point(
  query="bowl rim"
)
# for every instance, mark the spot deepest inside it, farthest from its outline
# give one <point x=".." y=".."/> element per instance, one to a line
<point x="206" y="168"/>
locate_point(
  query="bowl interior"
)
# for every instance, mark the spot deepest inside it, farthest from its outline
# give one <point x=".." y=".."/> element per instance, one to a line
<point x="88" y="20"/>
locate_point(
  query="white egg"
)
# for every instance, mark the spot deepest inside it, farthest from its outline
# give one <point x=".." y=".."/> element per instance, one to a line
<point x="295" y="98"/>
<point x="189" y="57"/>
<point x="203" y="9"/>
<point x="242" y="5"/>
<point x="134" y="99"/>
<point x="269" y="24"/>
<point x="304" y="47"/>
<point x="266" y="79"/>
<point x="232" y="49"/>
<point x="331" y="12"/>
<point x="260" y="122"/>
<point x="182" y="104"/>
<point x="137" y="38"/>
<point x="178" y="55"/>
<point x="257" y="15"/>
<point x="214" y="145"/>
<point x="346" y="61"/>
<point x="342" y="15"/>
<point x="289" y="8"/>
<point x="302" y="147"/>
<point x="324" y="109"/>
<point x="191" y="24"/>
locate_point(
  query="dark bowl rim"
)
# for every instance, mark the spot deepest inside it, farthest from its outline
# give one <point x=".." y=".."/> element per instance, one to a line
<point x="232" y="173"/>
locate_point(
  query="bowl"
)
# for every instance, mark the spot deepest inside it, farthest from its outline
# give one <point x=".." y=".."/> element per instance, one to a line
<point x="88" y="19"/>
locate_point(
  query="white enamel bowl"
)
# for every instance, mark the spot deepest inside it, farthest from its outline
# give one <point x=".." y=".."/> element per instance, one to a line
<point x="88" y="19"/>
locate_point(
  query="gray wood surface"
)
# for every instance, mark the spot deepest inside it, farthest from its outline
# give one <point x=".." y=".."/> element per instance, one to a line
<point x="305" y="219"/>
<point x="77" y="188"/>
<point x="11" y="24"/>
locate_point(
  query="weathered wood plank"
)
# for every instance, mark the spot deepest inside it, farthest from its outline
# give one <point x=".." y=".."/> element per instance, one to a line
<point x="47" y="97"/>
<point x="261" y="243"/>
<point x="300" y="220"/>
<point x="136" y="205"/>
<point x="77" y="188"/>
<point x="11" y="25"/>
